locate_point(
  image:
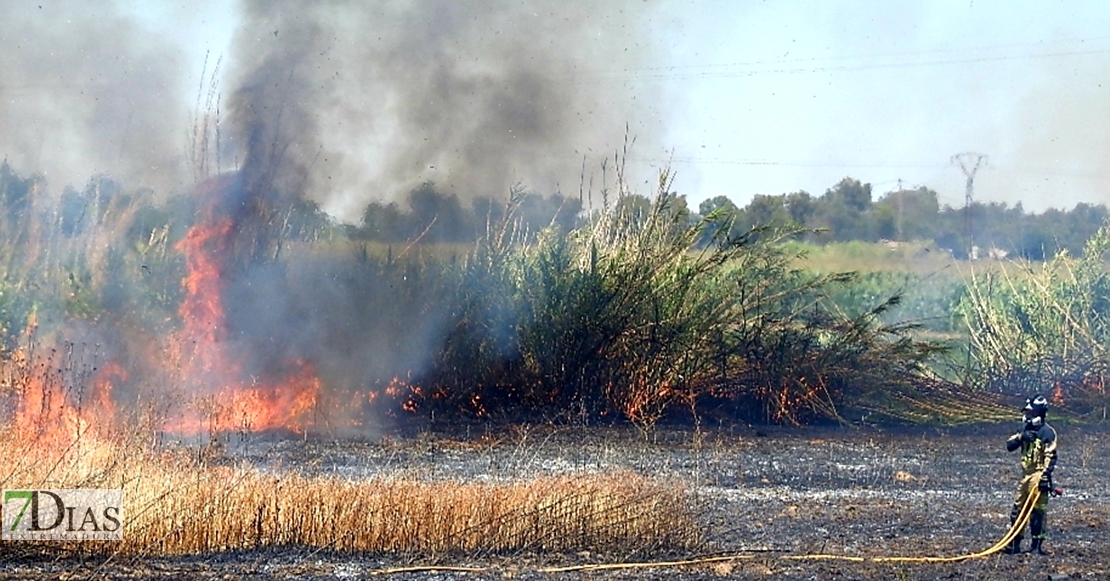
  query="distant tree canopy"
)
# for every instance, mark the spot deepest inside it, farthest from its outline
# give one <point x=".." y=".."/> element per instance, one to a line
<point x="848" y="211"/>
<point x="431" y="216"/>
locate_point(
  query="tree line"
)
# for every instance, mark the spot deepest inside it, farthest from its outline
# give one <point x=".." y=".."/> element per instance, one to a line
<point x="636" y="310"/>
<point x="848" y="211"/>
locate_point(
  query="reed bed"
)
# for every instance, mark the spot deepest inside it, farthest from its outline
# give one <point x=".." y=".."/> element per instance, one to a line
<point x="200" y="513"/>
<point x="179" y="503"/>
<point x="1045" y="329"/>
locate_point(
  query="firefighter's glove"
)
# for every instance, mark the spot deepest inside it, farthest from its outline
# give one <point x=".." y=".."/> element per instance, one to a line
<point x="1028" y="435"/>
<point x="1045" y="485"/>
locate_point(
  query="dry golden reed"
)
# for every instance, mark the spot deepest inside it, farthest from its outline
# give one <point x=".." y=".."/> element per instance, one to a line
<point x="177" y="504"/>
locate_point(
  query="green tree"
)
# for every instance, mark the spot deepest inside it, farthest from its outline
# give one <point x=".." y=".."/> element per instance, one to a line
<point x="767" y="210"/>
<point x="800" y="206"/>
<point x="843" y="212"/>
<point x="912" y="214"/>
<point x="719" y="212"/>
<point x="438" y="217"/>
<point x="855" y="195"/>
<point x="633" y="208"/>
<point x="383" y="222"/>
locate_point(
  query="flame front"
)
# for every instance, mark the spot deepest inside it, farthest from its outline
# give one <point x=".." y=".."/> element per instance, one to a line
<point x="218" y="396"/>
<point x="52" y="417"/>
<point x="286" y="405"/>
<point x="202" y="310"/>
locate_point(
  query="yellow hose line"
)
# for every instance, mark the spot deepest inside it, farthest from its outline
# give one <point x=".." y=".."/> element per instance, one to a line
<point x="646" y="564"/>
<point x="1015" y="530"/>
<point x="429" y="568"/>
<point x="1017" y="526"/>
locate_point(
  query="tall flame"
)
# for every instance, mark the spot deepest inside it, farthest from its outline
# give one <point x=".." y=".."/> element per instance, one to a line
<point x="202" y="310"/>
<point x="219" y="398"/>
<point x="57" y="409"/>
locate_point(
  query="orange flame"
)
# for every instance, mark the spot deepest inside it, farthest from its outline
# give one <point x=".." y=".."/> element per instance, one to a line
<point x="1058" y="394"/>
<point x="49" y="413"/>
<point x="202" y="310"/>
<point x="221" y="399"/>
<point x="286" y="405"/>
<point x="398" y="392"/>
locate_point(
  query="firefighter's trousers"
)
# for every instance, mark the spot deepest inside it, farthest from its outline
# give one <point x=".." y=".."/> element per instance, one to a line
<point x="1026" y="487"/>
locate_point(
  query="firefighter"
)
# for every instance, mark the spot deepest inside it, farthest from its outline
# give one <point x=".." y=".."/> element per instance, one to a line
<point x="1037" y="442"/>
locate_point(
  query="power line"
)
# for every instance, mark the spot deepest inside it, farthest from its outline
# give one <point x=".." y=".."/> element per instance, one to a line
<point x="832" y="69"/>
<point x="864" y="56"/>
<point x="712" y="71"/>
<point x="693" y="160"/>
<point x="1035" y="171"/>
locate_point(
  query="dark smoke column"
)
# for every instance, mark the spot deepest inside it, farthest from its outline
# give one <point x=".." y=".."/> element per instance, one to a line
<point x="359" y="101"/>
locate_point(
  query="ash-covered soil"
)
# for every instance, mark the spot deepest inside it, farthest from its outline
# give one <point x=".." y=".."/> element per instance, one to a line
<point x="768" y="494"/>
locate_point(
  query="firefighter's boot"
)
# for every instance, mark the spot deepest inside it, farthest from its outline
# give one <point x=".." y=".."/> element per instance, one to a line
<point x="1036" y="530"/>
<point x="1015" y="545"/>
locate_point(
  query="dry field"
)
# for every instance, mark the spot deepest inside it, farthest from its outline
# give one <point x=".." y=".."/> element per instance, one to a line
<point x="763" y="496"/>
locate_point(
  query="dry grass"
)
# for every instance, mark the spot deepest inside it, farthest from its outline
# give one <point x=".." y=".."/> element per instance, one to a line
<point x="177" y="504"/>
<point x="189" y="501"/>
<point x="202" y="514"/>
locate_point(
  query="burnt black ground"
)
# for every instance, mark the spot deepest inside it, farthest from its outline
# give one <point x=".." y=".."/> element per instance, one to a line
<point x="767" y="493"/>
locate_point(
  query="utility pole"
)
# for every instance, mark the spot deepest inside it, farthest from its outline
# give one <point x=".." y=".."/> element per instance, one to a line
<point x="901" y="209"/>
<point x="969" y="162"/>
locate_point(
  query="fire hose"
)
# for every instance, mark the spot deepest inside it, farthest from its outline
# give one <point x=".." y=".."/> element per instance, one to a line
<point x="1015" y="529"/>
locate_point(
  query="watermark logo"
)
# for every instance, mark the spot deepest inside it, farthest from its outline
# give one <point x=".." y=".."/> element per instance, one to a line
<point x="79" y="514"/>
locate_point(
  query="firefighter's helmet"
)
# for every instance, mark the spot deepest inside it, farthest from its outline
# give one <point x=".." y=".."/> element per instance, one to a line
<point x="1036" y="407"/>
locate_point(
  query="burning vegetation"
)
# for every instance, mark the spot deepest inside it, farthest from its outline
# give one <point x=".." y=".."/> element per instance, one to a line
<point x="238" y="304"/>
<point x="220" y="398"/>
<point x="130" y="321"/>
<point x="629" y="316"/>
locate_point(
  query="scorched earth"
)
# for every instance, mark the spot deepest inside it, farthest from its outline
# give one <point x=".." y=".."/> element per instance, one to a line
<point x="764" y="494"/>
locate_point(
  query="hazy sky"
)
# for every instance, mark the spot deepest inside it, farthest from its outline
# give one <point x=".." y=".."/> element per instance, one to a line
<point x="742" y="97"/>
<point x="781" y="96"/>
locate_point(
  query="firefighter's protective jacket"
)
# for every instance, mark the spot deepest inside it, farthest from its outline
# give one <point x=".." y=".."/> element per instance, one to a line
<point x="1037" y="454"/>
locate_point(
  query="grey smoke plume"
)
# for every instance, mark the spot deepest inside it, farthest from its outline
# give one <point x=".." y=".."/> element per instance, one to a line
<point x="85" y="90"/>
<point x="363" y="100"/>
<point x="349" y="102"/>
<point x="345" y="101"/>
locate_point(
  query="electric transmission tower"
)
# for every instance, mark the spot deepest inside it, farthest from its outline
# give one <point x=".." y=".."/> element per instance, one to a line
<point x="969" y="162"/>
